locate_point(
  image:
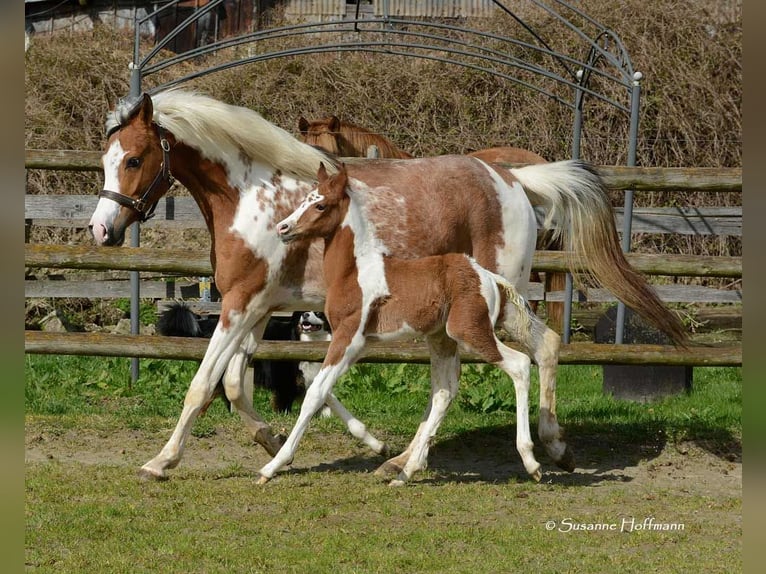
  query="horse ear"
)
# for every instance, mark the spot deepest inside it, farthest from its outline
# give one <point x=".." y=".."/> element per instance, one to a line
<point x="334" y="124"/>
<point x="322" y="173"/>
<point x="146" y="111"/>
<point x="303" y="125"/>
<point x="343" y="176"/>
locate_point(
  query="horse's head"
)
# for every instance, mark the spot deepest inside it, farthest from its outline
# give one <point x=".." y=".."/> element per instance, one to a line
<point x="136" y="170"/>
<point x="321" y="212"/>
<point x="324" y="133"/>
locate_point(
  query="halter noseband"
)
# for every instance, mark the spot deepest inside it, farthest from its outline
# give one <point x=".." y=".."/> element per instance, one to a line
<point x="141" y="206"/>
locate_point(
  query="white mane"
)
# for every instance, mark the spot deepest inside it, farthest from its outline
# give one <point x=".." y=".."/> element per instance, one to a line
<point x="222" y="131"/>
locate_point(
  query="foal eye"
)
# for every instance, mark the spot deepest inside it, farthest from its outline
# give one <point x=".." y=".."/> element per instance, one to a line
<point x="133" y="162"/>
<point x="320" y="207"/>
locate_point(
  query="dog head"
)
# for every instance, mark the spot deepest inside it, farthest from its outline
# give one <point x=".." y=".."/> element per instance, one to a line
<point x="313" y="326"/>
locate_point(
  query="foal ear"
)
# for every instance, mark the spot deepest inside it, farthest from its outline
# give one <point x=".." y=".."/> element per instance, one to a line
<point x="342" y="177"/>
<point x="303" y="125"/>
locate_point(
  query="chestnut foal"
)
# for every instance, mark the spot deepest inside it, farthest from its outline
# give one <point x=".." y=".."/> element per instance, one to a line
<point x="449" y="299"/>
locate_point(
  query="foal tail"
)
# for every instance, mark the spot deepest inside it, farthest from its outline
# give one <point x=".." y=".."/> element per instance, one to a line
<point x="581" y="217"/>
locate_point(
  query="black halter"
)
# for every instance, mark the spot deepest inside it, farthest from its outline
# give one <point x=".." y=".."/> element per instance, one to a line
<point x="141" y="206"/>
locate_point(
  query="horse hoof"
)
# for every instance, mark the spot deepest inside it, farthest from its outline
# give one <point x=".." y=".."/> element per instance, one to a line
<point x="387" y="469"/>
<point x="263" y="480"/>
<point x="384" y="450"/>
<point x="567" y="461"/>
<point x="272" y="443"/>
<point x="537" y="475"/>
<point x="150" y="475"/>
<point x="396" y="482"/>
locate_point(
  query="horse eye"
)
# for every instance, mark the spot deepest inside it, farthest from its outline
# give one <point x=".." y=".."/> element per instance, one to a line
<point x="133" y="162"/>
<point x="321" y="207"/>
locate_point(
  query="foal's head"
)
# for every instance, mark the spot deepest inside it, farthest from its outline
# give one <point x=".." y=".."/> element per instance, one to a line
<point x="324" y="133"/>
<point x="322" y="212"/>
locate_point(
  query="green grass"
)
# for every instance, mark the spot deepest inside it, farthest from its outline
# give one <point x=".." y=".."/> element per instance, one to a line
<point x="394" y="396"/>
<point x="335" y="517"/>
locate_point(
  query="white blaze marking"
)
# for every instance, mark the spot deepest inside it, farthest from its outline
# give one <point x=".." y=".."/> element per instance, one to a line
<point x="107" y="209"/>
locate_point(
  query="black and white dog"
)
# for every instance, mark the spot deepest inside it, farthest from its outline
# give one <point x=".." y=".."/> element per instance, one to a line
<point x="287" y="380"/>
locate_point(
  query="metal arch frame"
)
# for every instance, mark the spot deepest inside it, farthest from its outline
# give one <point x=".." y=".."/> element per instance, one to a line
<point x="408" y="38"/>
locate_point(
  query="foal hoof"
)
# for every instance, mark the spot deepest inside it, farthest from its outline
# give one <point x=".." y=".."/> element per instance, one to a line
<point x="396" y="483"/>
<point x="537" y="475"/>
<point x="567" y="461"/>
<point x="263" y="480"/>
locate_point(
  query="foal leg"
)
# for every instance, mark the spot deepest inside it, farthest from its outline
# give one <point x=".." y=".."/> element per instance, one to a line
<point x="441" y="370"/>
<point x="469" y="323"/>
<point x="341" y="354"/>
<point x="445" y="376"/>
<point x="543" y="343"/>
<point x="517" y="366"/>
<point x="356" y="427"/>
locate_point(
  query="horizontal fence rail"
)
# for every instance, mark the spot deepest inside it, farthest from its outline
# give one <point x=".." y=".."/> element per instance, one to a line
<point x="188" y="262"/>
<point x="182" y="212"/>
<point x="615" y="177"/>
<point x="182" y="348"/>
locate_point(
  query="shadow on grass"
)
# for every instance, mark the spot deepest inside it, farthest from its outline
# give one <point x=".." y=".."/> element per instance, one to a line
<point x="603" y="453"/>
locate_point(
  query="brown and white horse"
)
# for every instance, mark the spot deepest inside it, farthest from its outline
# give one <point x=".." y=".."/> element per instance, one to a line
<point x="448" y="299"/>
<point x="346" y="139"/>
<point x="246" y="174"/>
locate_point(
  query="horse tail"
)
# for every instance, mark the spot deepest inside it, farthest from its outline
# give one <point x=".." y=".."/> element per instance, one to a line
<point x="580" y="215"/>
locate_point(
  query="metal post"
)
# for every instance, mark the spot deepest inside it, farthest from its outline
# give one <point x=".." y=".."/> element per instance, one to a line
<point x="628" y="215"/>
<point x="576" y="135"/>
<point x="135" y="240"/>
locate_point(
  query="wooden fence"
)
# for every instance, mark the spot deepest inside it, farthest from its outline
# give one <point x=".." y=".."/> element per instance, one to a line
<point x="182" y="213"/>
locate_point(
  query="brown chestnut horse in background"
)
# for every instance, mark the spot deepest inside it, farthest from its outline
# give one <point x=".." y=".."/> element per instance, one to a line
<point x="346" y="139"/>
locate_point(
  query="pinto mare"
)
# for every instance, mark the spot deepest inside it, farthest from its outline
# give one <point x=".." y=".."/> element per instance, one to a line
<point x="246" y="174"/>
<point x="346" y="139"/>
<point x="448" y="299"/>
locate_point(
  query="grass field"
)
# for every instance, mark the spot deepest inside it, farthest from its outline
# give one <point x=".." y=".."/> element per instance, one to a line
<point x="657" y="486"/>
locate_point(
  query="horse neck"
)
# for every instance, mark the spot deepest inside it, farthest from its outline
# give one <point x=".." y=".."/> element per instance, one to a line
<point x="208" y="185"/>
<point x="355" y="140"/>
<point x="240" y="215"/>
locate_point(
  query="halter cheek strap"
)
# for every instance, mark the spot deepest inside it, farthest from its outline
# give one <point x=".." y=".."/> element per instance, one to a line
<point x="141" y="205"/>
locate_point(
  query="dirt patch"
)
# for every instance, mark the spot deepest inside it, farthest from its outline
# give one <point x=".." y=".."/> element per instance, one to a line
<point x="486" y="455"/>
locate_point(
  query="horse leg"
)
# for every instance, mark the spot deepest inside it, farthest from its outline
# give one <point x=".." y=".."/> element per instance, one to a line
<point x="393" y="466"/>
<point x="333" y="406"/>
<point x="220" y="350"/>
<point x="356" y="427"/>
<point x="470" y="324"/>
<point x="233" y="382"/>
<point x="543" y="343"/>
<point x="445" y="376"/>
<point x="341" y="354"/>
<point x="517" y="366"/>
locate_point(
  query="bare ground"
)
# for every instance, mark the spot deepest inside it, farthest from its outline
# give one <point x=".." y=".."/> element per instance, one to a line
<point x="710" y="469"/>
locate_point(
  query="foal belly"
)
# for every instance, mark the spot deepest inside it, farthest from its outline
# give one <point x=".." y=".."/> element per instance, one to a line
<point x="398" y="319"/>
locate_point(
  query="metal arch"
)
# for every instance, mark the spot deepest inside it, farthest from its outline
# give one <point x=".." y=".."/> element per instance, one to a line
<point x="604" y="46"/>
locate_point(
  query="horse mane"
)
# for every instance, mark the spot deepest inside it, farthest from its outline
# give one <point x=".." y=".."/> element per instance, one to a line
<point x="361" y="138"/>
<point x="222" y="131"/>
